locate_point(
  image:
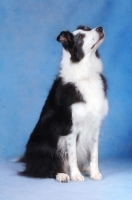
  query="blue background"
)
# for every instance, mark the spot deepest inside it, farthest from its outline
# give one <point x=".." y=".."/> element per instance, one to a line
<point x="29" y="62"/>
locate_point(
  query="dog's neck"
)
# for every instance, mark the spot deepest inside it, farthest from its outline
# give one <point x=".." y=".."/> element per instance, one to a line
<point x="89" y="66"/>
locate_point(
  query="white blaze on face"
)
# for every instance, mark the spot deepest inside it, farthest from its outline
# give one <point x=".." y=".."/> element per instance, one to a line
<point x="92" y="40"/>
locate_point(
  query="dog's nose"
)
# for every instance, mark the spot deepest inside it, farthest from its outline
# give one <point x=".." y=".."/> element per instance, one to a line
<point x="99" y="29"/>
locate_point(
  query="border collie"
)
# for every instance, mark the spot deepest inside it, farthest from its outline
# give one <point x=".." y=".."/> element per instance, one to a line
<point x="64" y="142"/>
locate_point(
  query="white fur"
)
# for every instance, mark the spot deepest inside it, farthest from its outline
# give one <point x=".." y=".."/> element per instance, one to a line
<point x="61" y="177"/>
<point x="86" y="117"/>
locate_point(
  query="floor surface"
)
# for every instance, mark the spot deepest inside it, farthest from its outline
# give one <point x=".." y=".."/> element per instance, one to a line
<point x="116" y="184"/>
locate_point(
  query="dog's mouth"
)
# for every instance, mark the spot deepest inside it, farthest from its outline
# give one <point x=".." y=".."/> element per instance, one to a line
<point x="100" y="38"/>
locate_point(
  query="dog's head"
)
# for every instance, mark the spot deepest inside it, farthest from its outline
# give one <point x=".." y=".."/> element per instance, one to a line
<point x="83" y="41"/>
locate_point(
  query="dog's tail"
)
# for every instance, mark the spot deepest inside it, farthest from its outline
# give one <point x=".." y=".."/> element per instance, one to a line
<point x="42" y="167"/>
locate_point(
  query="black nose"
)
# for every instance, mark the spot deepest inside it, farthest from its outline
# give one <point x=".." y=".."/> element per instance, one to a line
<point x="99" y="29"/>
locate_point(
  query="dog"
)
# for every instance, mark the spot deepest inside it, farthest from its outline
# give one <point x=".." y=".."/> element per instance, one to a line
<point x="64" y="142"/>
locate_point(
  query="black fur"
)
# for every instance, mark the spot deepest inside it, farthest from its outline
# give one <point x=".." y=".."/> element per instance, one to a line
<point x="105" y="85"/>
<point x="85" y="28"/>
<point x="41" y="157"/>
<point x="67" y="40"/>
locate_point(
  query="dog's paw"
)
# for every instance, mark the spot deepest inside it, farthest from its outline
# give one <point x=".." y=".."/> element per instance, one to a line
<point x="61" y="177"/>
<point x="77" y="177"/>
<point x="96" y="176"/>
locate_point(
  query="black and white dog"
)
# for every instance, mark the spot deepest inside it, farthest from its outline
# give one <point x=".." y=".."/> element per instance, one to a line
<point x="64" y="142"/>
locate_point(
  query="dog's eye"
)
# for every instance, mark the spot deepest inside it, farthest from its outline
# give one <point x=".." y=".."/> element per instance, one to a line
<point x="81" y="36"/>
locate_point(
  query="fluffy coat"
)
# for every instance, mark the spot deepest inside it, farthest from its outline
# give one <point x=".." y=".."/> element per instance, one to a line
<point x="64" y="142"/>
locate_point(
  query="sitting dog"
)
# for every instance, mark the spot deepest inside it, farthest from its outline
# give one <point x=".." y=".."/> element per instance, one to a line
<point x="64" y="142"/>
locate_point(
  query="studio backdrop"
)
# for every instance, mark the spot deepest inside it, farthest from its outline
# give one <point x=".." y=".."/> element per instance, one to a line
<point x="29" y="62"/>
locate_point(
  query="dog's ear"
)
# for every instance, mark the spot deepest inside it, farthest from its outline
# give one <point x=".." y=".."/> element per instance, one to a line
<point x="65" y="38"/>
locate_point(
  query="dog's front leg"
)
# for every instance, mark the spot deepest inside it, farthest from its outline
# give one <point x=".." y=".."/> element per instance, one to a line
<point x="94" y="169"/>
<point x="72" y="158"/>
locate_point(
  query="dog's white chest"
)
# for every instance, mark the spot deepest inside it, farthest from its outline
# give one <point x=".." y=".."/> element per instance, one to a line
<point x="94" y="98"/>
